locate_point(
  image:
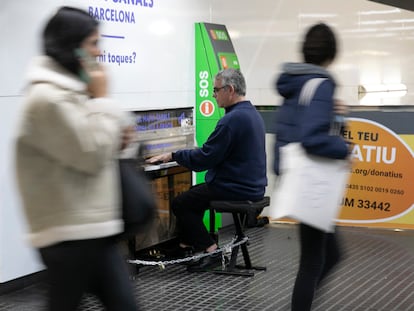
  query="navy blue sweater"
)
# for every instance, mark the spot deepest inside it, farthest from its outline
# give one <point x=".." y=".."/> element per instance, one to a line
<point x="234" y="154"/>
<point x="311" y="124"/>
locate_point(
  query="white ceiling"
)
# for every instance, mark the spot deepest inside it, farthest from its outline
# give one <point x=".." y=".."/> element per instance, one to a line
<point x="376" y="42"/>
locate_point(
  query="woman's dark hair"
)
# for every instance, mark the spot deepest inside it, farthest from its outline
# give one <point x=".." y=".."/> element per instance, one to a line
<point x="319" y="45"/>
<point x="64" y="33"/>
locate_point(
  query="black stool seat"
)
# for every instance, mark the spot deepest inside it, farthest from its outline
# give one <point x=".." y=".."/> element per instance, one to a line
<point x="240" y="206"/>
<point x="242" y="212"/>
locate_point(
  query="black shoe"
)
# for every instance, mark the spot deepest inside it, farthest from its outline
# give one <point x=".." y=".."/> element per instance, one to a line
<point x="206" y="263"/>
<point x="182" y="252"/>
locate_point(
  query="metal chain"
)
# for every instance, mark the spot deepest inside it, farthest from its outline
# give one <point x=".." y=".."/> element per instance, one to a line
<point x="226" y="249"/>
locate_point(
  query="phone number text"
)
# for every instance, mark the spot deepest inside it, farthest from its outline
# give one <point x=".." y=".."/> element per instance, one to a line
<point x="375" y="189"/>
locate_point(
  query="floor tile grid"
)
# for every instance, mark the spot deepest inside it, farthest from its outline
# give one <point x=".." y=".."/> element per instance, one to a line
<point x="376" y="275"/>
<point x="359" y="282"/>
<point x="348" y="273"/>
<point x="225" y="293"/>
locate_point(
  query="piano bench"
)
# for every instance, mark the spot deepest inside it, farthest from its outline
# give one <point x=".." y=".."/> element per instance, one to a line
<point x="242" y="211"/>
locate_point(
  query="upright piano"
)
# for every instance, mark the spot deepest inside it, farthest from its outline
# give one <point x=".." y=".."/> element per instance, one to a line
<point x="159" y="132"/>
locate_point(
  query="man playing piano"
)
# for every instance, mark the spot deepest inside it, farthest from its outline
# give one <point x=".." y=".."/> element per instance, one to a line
<point x="235" y="159"/>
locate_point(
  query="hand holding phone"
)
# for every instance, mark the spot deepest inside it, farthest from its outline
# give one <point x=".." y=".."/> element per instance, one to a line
<point x="88" y="61"/>
<point x="92" y="73"/>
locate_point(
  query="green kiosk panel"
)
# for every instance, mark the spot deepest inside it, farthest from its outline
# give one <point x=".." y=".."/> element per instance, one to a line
<point x="214" y="52"/>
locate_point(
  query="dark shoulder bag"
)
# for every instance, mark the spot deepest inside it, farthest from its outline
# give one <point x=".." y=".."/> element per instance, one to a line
<point x="138" y="202"/>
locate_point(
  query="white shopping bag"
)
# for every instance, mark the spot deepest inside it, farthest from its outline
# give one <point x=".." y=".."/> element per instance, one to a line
<point x="309" y="188"/>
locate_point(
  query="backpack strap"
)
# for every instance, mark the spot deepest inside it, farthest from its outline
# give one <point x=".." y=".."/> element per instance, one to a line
<point x="309" y="90"/>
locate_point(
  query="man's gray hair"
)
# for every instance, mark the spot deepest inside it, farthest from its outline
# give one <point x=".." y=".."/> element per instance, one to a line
<point x="233" y="77"/>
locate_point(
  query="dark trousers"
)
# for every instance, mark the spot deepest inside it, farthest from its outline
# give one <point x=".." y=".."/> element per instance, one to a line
<point x="95" y="266"/>
<point x="319" y="253"/>
<point x="189" y="208"/>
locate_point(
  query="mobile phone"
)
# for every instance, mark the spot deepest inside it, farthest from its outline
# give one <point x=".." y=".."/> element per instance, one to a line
<point x="88" y="62"/>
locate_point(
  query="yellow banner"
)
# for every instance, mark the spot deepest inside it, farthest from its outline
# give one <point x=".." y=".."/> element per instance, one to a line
<point x="380" y="191"/>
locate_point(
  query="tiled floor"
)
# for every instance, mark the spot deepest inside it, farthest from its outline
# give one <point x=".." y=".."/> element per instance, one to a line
<point x="377" y="273"/>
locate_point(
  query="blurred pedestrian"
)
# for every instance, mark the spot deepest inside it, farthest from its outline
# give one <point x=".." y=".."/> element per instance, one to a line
<point x="311" y="125"/>
<point x="67" y="169"/>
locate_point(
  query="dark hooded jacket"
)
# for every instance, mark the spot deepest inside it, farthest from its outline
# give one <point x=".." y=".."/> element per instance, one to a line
<point x="308" y="124"/>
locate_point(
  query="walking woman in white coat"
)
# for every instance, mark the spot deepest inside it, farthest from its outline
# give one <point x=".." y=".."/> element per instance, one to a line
<point x="66" y="150"/>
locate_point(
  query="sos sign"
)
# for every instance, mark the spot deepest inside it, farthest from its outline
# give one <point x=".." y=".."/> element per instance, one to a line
<point x="207" y="108"/>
